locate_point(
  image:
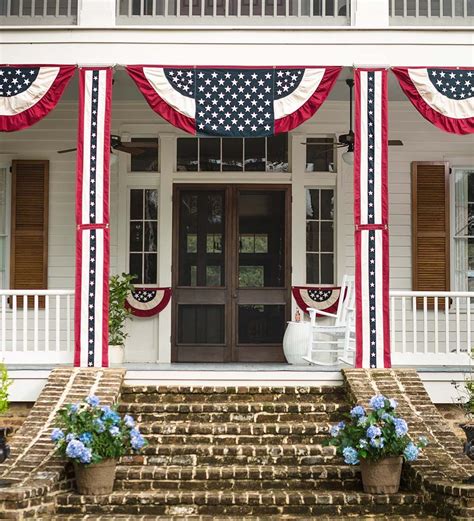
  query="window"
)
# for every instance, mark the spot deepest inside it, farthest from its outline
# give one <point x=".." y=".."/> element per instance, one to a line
<point x="211" y="154"/>
<point x="4" y="227"/>
<point x="463" y="230"/>
<point x="143" y="235"/>
<point x="320" y="154"/>
<point x="319" y="236"/>
<point x="146" y="160"/>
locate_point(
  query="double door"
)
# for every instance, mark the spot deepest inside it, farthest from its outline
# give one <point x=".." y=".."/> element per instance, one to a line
<point x="231" y="271"/>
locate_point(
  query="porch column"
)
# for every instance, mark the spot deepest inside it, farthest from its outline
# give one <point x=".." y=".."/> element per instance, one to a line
<point x="91" y="310"/>
<point x="371" y="219"/>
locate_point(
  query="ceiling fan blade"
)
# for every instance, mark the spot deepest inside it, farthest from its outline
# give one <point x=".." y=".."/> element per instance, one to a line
<point x="140" y="144"/>
<point x="65" y="151"/>
<point x="129" y="150"/>
<point x="395" y="143"/>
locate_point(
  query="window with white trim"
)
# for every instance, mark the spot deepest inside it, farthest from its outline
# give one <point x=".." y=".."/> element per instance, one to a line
<point x="143" y="235"/>
<point x="4" y="227"/>
<point x="320" y="236"/>
<point x="463" y="229"/>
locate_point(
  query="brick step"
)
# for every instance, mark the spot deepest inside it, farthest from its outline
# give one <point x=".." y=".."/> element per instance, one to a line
<point x="231" y="407"/>
<point x="126" y="517"/>
<point x="235" y="428"/>
<point x="295" y="502"/>
<point x="269" y="439"/>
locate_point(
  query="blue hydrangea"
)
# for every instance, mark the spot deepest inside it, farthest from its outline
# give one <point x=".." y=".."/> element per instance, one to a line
<point x="86" y="456"/>
<point x="129" y="421"/>
<point x="93" y="400"/>
<point x="70" y="437"/>
<point x="373" y="431"/>
<point x="57" y="435"/>
<point x="74" y="449"/>
<point x="387" y="417"/>
<point x="357" y="411"/>
<point x="401" y="427"/>
<point x="74" y="408"/>
<point x="411" y="452"/>
<point x="363" y="443"/>
<point x="109" y="414"/>
<point x="99" y="425"/>
<point x="137" y="441"/>
<point x="362" y="421"/>
<point x="393" y="403"/>
<point x="377" y="402"/>
<point x="335" y="429"/>
<point x="351" y="456"/>
<point x="378" y="443"/>
<point x="86" y="438"/>
<point x="114" y="430"/>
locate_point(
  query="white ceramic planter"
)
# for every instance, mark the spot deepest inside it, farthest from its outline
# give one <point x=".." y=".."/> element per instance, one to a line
<point x="116" y="355"/>
<point x="295" y="342"/>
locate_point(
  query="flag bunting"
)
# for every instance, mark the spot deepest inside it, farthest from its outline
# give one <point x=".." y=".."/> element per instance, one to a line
<point x="320" y="298"/>
<point x="147" y="302"/>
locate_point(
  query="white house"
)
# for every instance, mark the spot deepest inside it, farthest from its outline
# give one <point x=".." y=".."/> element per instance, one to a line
<point x="231" y="224"/>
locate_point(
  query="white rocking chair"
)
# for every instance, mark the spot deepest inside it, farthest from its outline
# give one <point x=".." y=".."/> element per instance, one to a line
<point x="342" y="331"/>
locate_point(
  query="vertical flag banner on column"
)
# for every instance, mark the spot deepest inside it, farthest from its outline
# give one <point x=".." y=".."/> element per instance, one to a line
<point x="92" y="218"/>
<point x="371" y="219"/>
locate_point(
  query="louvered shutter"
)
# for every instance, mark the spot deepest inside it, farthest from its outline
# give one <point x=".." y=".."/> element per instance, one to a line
<point x="430" y="226"/>
<point x="29" y="225"/>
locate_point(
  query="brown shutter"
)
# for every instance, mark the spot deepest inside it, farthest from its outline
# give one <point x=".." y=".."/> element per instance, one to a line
<point x="430" y="226"/>
<point x="29" y="225"/>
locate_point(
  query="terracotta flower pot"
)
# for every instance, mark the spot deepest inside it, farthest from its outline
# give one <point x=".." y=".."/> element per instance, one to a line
<point x="97" y="478"/>
<point x="383" y="476"/>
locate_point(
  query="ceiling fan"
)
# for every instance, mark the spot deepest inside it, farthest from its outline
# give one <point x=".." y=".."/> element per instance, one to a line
<point x="130" y="147"/>
<point x="348" y="140"/>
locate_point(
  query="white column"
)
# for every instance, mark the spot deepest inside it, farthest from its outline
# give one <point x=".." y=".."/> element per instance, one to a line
<point x="370" y="13"/>
<point x="96" y="13"/>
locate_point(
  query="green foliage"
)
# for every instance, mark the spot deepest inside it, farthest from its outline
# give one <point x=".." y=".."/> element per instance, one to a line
<point x="465" y="391"/>
<point x="89" y="433"/>
<point x="119" y="288"/>
<point x="5" y="383"/>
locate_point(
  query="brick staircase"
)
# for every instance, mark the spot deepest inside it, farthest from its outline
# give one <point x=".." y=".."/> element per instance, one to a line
<point x="247" y="452"/>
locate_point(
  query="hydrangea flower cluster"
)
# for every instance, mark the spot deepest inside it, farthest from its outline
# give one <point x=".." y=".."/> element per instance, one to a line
<point x="374" y="433"/>
<point x="88" y="432"/>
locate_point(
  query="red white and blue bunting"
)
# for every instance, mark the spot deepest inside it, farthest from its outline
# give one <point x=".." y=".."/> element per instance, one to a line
<point x="148" y="302"/>
<point x="235" y="101"/>
<point x="320" y="298"/>
<point x="92" y="218"/>
<point x="371" y="219"/>
<point x="29" y="92"/>
<point x="442" y="95"/>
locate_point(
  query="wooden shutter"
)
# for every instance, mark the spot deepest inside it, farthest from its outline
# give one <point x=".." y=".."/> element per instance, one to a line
<point x="430" y="226"/>
<point x="29" y="225"/>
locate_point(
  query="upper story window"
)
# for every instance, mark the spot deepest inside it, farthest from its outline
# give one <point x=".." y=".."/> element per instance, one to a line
<point x="144" y="158"/>
<point x="463" y="230"/>
<point x="210" y="154"/>
<point x="320" y="154"/>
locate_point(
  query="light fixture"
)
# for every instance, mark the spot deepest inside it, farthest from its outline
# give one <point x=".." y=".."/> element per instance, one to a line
<point x="348" y="157"/>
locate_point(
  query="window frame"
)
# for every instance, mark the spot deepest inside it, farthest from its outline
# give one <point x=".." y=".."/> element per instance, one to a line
<point x="128" y="136"/>
<point x="5" y="279"/>
<point x="335" y="153"/>
<point x="453" y="239"/>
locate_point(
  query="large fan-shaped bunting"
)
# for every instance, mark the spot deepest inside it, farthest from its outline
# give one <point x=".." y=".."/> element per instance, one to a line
<point x="444" y="96"/>
<point x="30" y="92"/>
<point x="320" y="298"/>
<point x="238" y="101"/>
<point x="148" y="302"/>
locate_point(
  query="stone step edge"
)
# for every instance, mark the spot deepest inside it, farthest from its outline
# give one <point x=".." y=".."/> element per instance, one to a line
<point x="296" y="390"/>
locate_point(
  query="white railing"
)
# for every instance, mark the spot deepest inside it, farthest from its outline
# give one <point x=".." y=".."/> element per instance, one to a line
<point x="231" y="12"/>
<point x="431" y="328"/>
<point x="36" y="326"/>
<point x="431" y="12"/>
<point x="38" y="12"/>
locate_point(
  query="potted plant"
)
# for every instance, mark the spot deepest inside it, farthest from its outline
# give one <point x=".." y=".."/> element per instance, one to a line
<point x="5" y="383"/>
<point x="119" y="288"/>
<point x="93" y="437"/>
<point x="377" y="439"/>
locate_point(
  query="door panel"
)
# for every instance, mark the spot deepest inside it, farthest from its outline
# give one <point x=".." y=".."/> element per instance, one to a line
<point x="231" y="288"/>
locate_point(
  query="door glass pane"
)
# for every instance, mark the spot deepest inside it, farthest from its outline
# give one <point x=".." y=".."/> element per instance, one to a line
<point x="261" y="238"/>
<point x="201" y="324"/>
<point x="261" y="324"/>
<point x="210" y="154"/>
<point x="255" y="155"/>
<point x="187" y="154"/>
<point x="147" y="158"/>
<point x="201" y="238"/>
<point x="232" y="153"/>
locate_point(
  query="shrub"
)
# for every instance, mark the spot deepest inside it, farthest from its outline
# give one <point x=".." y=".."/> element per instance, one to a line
<point x="119" y="288"/>
<point x="374" y="434"/>
<point x="5" y="383"/>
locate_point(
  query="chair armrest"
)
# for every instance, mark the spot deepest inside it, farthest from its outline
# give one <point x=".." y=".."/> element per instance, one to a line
<point x="314" y="312"/>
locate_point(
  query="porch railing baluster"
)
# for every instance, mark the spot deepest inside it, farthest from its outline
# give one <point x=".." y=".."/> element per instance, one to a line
<point x="58" y="325"/>
<point x="36" y="322"/>
<point x="25" y="323"/>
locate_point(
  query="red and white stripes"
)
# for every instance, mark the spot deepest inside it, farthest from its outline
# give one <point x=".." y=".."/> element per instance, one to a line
<point x="92" y="218"/>
<point x="371" y="219"/>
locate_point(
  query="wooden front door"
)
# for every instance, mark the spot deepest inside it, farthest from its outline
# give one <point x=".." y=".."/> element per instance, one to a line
<point x="231" y="258"/>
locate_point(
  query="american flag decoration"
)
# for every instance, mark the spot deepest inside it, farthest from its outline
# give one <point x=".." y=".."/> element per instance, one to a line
<point x="235" y="102"/>
<point x="371" y="219"/>
<point x="92" y="218"/>
<point x="442" y="95"/>
<point x="148" y="302"/>
<point x="320" y="298"/>
<point x="29" y="92"/>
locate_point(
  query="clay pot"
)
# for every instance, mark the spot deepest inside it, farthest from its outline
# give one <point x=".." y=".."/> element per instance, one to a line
<point x="95" y="479"/>
<point x="383" y="476"/>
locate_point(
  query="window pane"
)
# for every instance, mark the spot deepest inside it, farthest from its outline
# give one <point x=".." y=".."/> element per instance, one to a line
<point x="150" y="268"/>
<point x="312" y="268"/>
<point x="200" y="324"/>
<point x="261" y="324"/>
<point x="213" y="276"/>
<point x="327" y="269"/>
<point x="209" y="154"/>
<point x="136" y="204"/>
<point x="327" y="204"/>
<point x="277" y="153"/>
<point x="136" y="260"/>
<point x="187" y="152"/>
<point x="312" y="204"/>
<point x="255" y="154"/>
<point x="151" y="204"/>
<point x="151" y="235"/>
<point x="136" y="236"/>
<point x="232" y="154"/>
<point x="312" y="236"/>
<point x="327" y="237"/>
<point x="251" y="277"/>
<point x="320" y="154"/>
<point x="147" y="160"/>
